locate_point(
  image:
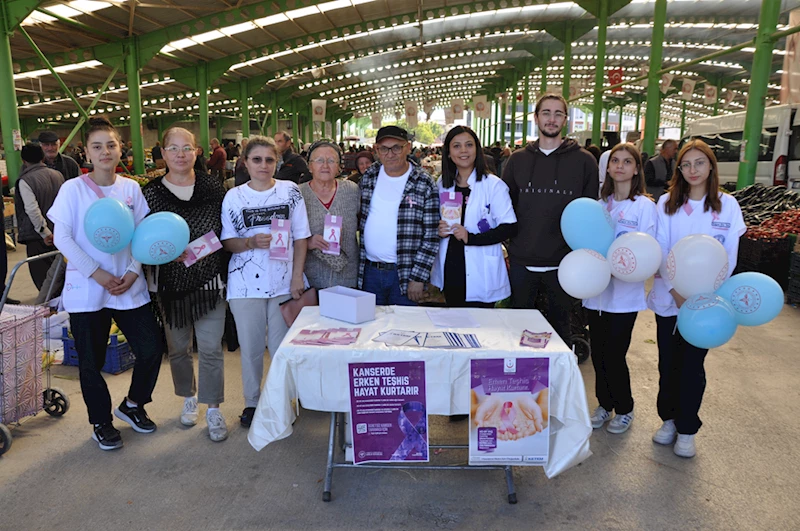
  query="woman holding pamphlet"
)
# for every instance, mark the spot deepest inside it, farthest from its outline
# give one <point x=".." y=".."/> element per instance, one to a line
<point x="265" y="226"/>
<point x="612" y="314"/>
<point x="189" y="290"/>
<point x="332" y="205"/>
<point x="477" y="216"/>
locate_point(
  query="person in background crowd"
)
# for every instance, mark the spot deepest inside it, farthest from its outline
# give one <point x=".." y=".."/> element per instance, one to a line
<point x="399" y="223"/>
<point x="470" y="268"/>
<point x="612" y="314"/>
<point x="129" y="153"/>
<point x="240" y="171"/>
<point x="543" y="178"/>
<point x="291" y="166"/>
<point x="200" y="161"/>
<point x="488" y="161"/>
<point x="257" y="283"/>
<point x="693" y="205"/>
<point x="231" y="152"/>
<point x="80" y="154"/>
<point x="53" y="159"/>
<point x="324" y="194"/>
<point x="191" y="298"/>
<point x="594" y="150"/>
<point x="503" y="158"/>
<point x="216" y="163"/>
<point x="103" y="286"/>
<point x="364" y="159"/>
<point x="659" y="169"/>
<point x="602" y="164"/>
<point x="158" y="158"/>
<point x="36" y="191"/>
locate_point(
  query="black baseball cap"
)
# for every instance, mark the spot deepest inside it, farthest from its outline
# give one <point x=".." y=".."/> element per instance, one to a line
<point x="32" y="153"/>
<point x="392" y="131"/>
<point x="48" y="137"/>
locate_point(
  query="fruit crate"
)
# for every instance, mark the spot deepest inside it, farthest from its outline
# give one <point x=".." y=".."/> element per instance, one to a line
<point x="771" y="257"/>
<point x="119" y="357"/>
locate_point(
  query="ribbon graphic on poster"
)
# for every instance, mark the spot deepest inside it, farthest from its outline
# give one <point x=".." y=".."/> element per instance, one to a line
<point x="666" y="82"/>
<point x="457" y="106"/>
<point x="615" y="77"/>
<point x="415" y="434"/>
<point x="709" y="95"/>
<point x="318" y="110"/>
<point x="482" y="109"/>
<point x="687" y="88"/>
<point x="411" y="113"/>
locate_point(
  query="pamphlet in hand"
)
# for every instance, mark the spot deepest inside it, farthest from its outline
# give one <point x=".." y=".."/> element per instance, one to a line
<point x="202" y="247"/>
<point x="450" y="204"/>
<point x="332" y="233"/>
<point x="328" y="336"/>
<point x="279" y="246"/>
<point x="534" y="339"/>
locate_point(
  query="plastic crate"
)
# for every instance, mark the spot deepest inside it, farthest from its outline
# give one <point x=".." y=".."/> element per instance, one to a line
<point x="771" y="257"/>
<point x="119" y="357"/>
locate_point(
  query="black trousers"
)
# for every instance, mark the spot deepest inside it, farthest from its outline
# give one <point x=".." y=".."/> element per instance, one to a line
<point x="611" y="338"/>
<point x="456" y="297"/>
<point x="39" y="268"/>
<point x="525" y="286"/>
<point x="90" y="330"/>
<point x="681" y="377"/>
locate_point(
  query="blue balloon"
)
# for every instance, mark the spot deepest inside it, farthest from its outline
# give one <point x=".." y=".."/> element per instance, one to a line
<point x="586" y="225"/>
<point x="756" y="298"/>
<point x="109" y="225"/>
<point x="707" y="320"/>
<point x="160" y="238"/>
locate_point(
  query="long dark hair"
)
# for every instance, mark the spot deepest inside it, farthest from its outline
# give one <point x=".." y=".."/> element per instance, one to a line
<point x="637" y="183"/>
<point x="449" y="170"/>
<point x="679" y="187"/>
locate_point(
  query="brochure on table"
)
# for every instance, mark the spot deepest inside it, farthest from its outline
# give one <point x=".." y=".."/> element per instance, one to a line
<point x="389" y="412"/>
<point x="509" y="411"/>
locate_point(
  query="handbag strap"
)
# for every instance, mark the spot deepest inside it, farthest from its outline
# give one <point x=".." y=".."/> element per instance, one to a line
<point x="92" y="186"/>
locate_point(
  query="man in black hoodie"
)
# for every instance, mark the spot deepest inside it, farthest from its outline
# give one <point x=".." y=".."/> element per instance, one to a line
<point x="542" y="179"/>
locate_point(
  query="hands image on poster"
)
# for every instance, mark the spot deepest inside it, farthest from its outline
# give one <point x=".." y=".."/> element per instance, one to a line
<point x="515" y="417"/>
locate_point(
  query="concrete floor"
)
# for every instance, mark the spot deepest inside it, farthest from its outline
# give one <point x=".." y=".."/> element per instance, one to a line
<point x="746" y="474"/>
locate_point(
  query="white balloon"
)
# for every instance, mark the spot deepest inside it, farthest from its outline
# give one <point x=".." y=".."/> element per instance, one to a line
<point x="697" y="264"/>
<point x="584" y="273"/>
<point x="634" y="257"/>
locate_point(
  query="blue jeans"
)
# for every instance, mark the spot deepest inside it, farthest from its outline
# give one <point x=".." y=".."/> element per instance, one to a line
<point x="385" y="284"/>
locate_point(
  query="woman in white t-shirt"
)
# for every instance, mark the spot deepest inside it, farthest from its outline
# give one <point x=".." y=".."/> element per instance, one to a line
<point x="258" y="284"/>
<point x="693" y="205"/>
<point x="612" y="314"/>
<point x="100" y="286"/>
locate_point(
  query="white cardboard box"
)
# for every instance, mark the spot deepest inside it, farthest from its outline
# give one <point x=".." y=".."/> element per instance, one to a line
<point x="347" y="304"/>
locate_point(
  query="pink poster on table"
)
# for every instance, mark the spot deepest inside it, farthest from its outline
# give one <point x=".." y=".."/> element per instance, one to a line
<point x="332" y="233"/>
<point x="450" y="204"/>
<point x="279" y="246"/>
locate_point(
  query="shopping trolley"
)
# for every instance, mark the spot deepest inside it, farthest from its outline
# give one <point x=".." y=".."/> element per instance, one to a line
<point x="23" y="360"/>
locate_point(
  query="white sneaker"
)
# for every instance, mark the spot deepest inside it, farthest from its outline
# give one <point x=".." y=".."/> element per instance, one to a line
<point x="600" y="417"/>
<point x="684" y="446"/>
<point x="189" y="413"/>
<point x="666" y="433"/>
<point x="620" y="423"/>
<point x="217" y="429"/>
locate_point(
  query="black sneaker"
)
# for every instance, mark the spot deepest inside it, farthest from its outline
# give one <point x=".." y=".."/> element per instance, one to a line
<point x="247" y="416"/>
<point x="107" y="436"/>
<point x="136" y="417"/>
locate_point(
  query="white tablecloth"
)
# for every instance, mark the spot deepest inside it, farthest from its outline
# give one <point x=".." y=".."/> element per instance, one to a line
<point x="318" y="375"/>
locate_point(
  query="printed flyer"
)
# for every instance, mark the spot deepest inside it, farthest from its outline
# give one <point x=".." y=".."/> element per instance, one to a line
<point x="389" y="412"/>
<point x="332" y="233"/>
<point x="509" y="411"/>
<point x="450" y="206"/>
<point x="279" y="246"/>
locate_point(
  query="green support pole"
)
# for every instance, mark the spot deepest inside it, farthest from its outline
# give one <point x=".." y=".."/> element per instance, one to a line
<point x="683" y="118"/>
<point x="159" y="128"/>
<point x="716" y="100"/>
<point x="295" y="125"/>
<point x="202" y="88"/>
<point x="639" y="117"/>
<point x="9" y="116"/>
<point x="274" y="115"/>
<point x="514" y="115"/>
<point x="135" y="101"/>
<point x="526" y="95"/>
<point x="500" y="122"/>
<point x="600" y="71"/>
<point x="762" y="68"/>
<point x="620" y="121"/>
<point x="653" y="113"/>
<point x="567" y="70"/>
<point x="607" y="111"/>
<point x="543" y="85"/>
<point x="244" y="106"/>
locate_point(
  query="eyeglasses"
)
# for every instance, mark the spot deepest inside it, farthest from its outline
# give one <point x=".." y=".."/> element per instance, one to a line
<point x="558" y="115"/>
<point x="259" y="160"/>
<point x="698" y="165"/>
<point x="175" y="149"/>
<point x="396" y="149"/>
<point x="321" y="161"/>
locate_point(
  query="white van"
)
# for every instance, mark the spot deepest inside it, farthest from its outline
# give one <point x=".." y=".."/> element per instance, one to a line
<point x="779" y="150"/>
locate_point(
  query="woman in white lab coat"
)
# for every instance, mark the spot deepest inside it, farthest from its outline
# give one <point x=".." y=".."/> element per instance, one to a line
<point x="470" y="268"/>
<point x="693" y="205"/>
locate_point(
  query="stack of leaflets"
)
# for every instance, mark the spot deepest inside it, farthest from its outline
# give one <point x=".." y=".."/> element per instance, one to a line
<point x="534" y="339"/>
<point x="328" y="336"/>
<point x="427" y="339"/>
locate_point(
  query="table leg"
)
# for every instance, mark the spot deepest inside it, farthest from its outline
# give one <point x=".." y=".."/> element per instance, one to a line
<point x="326" y="492"/>
<point x="341" y="423"/>
<point x="512" y="492"/>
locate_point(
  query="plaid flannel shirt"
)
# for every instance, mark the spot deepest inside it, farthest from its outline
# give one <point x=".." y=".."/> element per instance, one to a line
<point x="417" y="225"/>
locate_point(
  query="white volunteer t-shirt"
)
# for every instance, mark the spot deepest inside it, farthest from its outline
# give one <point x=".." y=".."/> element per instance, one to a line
<point x="81" y="292"/>
<point x="245" y="213"/>
<point x="380" y="229"/>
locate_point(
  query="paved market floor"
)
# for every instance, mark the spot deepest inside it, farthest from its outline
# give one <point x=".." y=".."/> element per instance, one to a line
<point x="746" y="474"/>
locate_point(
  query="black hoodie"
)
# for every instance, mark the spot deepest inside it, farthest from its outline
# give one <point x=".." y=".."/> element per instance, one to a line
<point x="541" y="186"/>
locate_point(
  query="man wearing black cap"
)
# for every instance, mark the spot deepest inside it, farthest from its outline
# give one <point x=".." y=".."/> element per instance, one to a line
<point x="55" y="160"/>
<point x="399" y="223"/>
<point x="37" y="187"/>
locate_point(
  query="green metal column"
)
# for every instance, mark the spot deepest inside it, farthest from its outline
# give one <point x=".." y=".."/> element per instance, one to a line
<point x="135" y="101"/>
<point x="244" y="106"/>
<point x="600" y="71"/>
<point x="159" y="128"/>
<point x="607" y="111"/>
<point x="503" y="114"/>
<point x="762" y="68"/>
<point x="274" y="116"/>
<point x="296" y="125"/>
<point x="638" y="116"/>
<point x="202" y="88"/>
<point x="567" y="69"/>
<point x="653" y="114"/>
<point x="514" y="114"/>
<point x="9" y="116"/>
<point x="683" y="118"/>
<point x="525" y="102"/>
